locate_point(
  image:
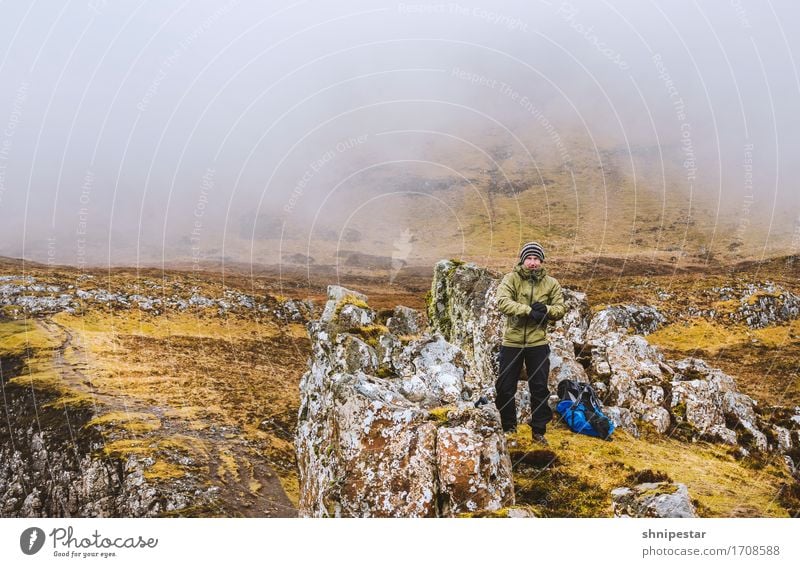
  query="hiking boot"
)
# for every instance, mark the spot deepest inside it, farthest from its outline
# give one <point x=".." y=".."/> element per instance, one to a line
<point x="539" y="439"/>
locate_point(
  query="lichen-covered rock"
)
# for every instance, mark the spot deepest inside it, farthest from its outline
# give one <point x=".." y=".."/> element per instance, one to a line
<point x="656" y="416"/>
<point x="575" y="322"/>
<point x="386" y="447"/>
<point x="473" y="466"/>
<point x="707" y="398"/>
<point x="22" y="296"/>
<point x="563" y="364"/>
<point x="699" y="403"/>
<point x="757" y="305"/>
<point x="740" y="410"/>
<point x="406" y="321"/>
<point x="337" y="297"/>
<point x="783" y="437"/>
<point x="441" y="366"/>
<point x="631" y="375"/>
<point x="50" y="470"/>
<point x="463" y="309"/>
<point x="352" y="354"/>
<point x="625" y="319"/>
<point x="293" y="310"/>
<point x="634" y="365"/>
<point x="622" y="419"/>
<point x="653" y="500"/>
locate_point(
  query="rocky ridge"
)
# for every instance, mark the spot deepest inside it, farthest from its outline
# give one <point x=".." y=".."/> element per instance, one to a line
<point x="25" y="295"/>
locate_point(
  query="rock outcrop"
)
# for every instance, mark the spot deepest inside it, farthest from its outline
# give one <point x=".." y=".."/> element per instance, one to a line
<point x="756" y="305"/>
<point x="390" y="429"/>
<point x="54" y="462"/>
<point x="25" y="296"/>
<point x="637" y="384"/>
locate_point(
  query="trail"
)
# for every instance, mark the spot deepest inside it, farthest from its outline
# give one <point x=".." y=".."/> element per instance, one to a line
<point x="247" y="485"/>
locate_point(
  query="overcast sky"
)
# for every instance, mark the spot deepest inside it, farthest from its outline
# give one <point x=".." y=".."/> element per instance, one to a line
<point x="129" y="128"/>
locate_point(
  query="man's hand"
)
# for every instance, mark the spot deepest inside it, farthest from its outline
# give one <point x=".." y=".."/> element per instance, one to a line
<point x="538" y="312"/>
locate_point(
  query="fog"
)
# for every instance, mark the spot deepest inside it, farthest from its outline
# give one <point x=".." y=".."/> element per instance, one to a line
<point x="149" y="132"/>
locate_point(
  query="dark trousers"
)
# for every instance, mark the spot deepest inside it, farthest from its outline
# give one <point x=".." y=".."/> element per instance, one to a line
<point x="537" y="368"/>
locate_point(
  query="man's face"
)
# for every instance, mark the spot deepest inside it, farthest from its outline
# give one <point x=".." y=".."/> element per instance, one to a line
<point x="532" y="262"/>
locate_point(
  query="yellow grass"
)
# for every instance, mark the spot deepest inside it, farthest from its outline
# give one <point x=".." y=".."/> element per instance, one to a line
<point x="722" y="485"/>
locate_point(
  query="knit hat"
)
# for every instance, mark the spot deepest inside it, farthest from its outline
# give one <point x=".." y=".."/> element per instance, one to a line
<point x="531" y="249"/>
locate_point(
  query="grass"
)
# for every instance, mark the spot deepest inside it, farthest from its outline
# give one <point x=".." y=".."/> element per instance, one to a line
<point x="134" y="423"/>
<point x="20" y="336"/>
<point x="584" y="470"/>
<point x="204" y="372"/>
<point x="698" y="335"/>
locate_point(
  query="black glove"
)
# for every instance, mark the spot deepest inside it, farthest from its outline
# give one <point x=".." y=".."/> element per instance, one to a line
<point x="538" y="312"/>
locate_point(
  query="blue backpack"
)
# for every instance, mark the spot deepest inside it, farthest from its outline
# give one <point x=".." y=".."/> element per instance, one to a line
<point x="581" y="411"/>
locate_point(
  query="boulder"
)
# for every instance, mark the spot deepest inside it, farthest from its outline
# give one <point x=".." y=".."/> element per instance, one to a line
<point x="404" y="445"/>
<point x="337" y="297"/>
<point x="634" y="365"/>
<point x="653" y="500"/>
<point x="406" y="321"/>
<point x="473" y="466"/>
<point x="625" y="319"/>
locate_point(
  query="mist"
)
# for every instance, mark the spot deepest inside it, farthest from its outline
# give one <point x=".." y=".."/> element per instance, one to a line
<point x="158" y="132"/>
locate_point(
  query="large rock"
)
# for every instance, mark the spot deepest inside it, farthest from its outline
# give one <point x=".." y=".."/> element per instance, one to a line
<point x="625" y="319"/>
<point x="707" y="399"/>
<point x="473" y="465"/>
<point x="653" y="500"/>
<point x="634" y="365"/>
<point x="463" y="308"/>
<point x="410" y="444"/>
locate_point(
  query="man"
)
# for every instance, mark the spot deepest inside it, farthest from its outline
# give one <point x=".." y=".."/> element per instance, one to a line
<point x="530" y="299"/>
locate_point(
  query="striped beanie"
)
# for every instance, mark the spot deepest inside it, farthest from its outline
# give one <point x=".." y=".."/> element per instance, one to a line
<point x="531" y="249"/>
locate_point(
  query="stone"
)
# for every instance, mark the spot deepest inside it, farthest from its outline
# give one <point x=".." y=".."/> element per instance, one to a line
<point x="336" y="295"/>
<point x="354" y="317"/>
<point x="653" y="500"/>
<point x="622" y="419"/>
<point x="575" y="322"/>
<point x="633" y="363"/>
<point x="353" y="354"/>
<point x="406" y="321"/>
<point x="409" y="445"/>
<point x="474" y="468"/>
<point x="624" y="319"/>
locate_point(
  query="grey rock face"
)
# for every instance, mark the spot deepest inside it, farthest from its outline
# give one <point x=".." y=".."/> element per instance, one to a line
<point x="626" y="319"/>
<point x="405" y="445"/>
<point x="406" y="321"/>
<point x="50" y="470"/>
<point x="653" y="500"/>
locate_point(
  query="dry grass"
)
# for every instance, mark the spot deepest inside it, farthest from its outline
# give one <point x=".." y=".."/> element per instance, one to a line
<point x="721" y="485"/>
<point x="205" y="372"/>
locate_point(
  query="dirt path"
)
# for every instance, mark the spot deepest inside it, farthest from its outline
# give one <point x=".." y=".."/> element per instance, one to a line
<point x="247" y="485"/>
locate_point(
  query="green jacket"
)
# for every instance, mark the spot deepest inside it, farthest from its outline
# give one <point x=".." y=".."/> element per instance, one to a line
<point x="517" y="291"/>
